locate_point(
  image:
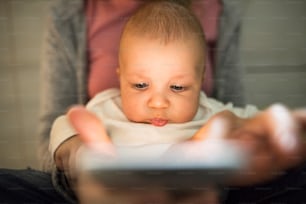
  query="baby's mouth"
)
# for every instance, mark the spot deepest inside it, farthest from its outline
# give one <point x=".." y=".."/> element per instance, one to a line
<point x="159" y="122"/>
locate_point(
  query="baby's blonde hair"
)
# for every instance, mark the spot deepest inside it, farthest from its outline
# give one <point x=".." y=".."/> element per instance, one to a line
<point x="165" y="20"/>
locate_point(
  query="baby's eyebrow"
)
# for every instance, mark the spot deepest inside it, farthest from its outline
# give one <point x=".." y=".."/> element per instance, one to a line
<point x="133" y="74"/>
<point x="185" y="76"/>
<point x="136" y="77"/>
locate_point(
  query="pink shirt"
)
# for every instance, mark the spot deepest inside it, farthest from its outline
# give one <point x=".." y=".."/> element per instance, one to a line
<point x="105" y="20"/>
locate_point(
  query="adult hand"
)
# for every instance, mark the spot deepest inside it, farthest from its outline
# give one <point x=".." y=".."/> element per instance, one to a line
<point x="274" y="140"/>
<point x="91" y="130"/>
<point x="95" y="137"/>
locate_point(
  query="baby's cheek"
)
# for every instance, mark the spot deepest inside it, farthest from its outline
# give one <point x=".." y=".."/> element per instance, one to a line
<point x="185" y="114"/>
<point x="134" y="114"/>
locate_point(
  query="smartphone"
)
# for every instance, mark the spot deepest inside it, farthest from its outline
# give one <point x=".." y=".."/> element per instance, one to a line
<point x="189" y="165"/>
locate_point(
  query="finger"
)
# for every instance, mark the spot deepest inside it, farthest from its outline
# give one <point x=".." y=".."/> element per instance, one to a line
<point x="285" y="132"/>
<point x="218" y="127"/>
<point x="90" y="129"/>
<point x="87" y="125"/>
<point x="282" y="127"/>
<point x="288" y="130"/>
<point x="300" y="115"/>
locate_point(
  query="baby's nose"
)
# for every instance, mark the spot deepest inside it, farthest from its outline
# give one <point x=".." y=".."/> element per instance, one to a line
<point x="158" y="101"/>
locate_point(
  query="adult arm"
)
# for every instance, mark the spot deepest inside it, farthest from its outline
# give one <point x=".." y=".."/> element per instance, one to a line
<point x="62" y="70"/>
<point x="228" y="80"/>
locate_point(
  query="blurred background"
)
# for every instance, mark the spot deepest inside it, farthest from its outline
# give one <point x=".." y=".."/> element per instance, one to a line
<point x="272" y="51"/>
<point x="21" y="31"/>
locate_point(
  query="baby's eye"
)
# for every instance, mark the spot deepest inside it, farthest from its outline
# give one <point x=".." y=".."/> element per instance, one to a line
<point x="177" y="88"/>
<point x="141" y="86"/>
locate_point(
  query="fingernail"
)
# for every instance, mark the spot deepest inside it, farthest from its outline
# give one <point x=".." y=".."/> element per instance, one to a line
<point x="284" y="126"/>
<point x="281" y="115"/>
<point x="288" y="141"/>
<point x="217" y="129"/>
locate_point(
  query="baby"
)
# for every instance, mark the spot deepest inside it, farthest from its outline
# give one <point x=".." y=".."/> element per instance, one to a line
<point x="161" y="70"/>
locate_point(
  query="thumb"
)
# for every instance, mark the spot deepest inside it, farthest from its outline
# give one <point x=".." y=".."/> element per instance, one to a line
<point x="90" y="128"/>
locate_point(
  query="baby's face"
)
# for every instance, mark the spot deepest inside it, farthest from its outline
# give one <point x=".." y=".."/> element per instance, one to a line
<point x="160" y="83"/>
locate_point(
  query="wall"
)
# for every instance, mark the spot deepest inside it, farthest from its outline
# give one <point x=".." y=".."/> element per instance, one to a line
<point x="21" y="28"/>
<point x="273" y="52"/>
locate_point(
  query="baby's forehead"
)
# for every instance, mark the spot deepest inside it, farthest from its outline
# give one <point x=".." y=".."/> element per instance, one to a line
<point x="139" y="44"/>
<point x="190" y="43"/>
